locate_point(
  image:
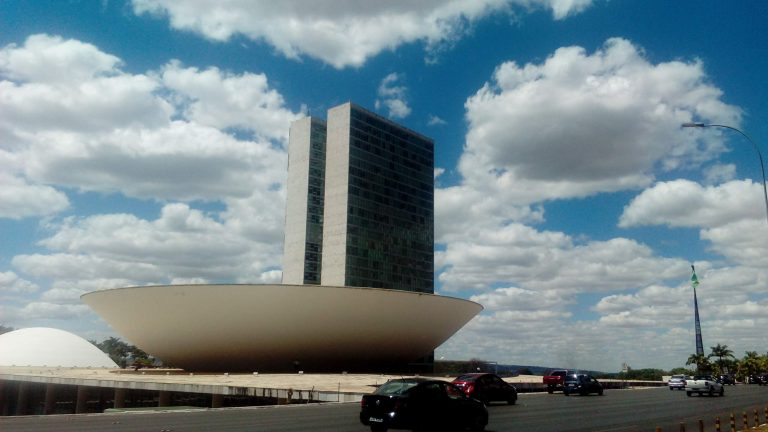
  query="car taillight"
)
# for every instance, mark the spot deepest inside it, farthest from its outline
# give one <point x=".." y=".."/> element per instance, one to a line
<point x="468" y="389"/>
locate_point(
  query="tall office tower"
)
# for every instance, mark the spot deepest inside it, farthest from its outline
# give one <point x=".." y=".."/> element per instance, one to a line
<point x="377" y="222"/>
<point x="303" y="247"/>
<point x="378" y="225"/>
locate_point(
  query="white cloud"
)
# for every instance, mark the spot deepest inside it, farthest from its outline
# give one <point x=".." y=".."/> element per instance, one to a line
<point x="683" y="203"/>
<point x="545" y="261"/>
<point x="340" y="33"/>
<point x="19" y="199"/>
<point x="183" y="161"/>
<point x="85" y="92"/>
<point x="181" y="243"/>
<point x="393" y="96"/>
<point x="222" y="100"/>
<point x="579" y="124"/>
<point x="435" y="121"/>
<point x="53" y="311"/>
<point x="74" y="61"/>
<point x="11" y="283"/>
<point x="94" y="127"/>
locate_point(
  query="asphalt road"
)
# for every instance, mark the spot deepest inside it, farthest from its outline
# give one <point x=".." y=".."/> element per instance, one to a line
<point x="616" y="411"/>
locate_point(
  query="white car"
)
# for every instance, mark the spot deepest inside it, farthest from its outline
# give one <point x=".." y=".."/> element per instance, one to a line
<point x="704" y="384"/>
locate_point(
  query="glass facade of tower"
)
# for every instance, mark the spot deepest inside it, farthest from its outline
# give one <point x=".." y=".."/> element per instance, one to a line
<point x="313" y="252"/>
<point x="390" y="215"/>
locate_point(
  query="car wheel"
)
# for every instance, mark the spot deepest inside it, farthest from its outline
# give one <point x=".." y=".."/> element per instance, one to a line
<point x="600" y="392"/>
<point x="689" y="393"/>
<point x="711" y="391"/>
<point x="550" y="390"/>
<point x="566" y="393"/>
<point x="512" y="401"/>
<point x="671" y="388"/>
<point x="722" y="391"/>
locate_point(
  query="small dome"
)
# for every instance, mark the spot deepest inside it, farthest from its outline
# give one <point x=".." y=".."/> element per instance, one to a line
<point x="42" y="346"/>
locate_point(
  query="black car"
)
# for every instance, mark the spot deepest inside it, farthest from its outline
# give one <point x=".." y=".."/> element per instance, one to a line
<point x="582" y="384"/>
<point x="423" y="404"/>
<point x="726" y="379"/>
<point x="486" y="387"/>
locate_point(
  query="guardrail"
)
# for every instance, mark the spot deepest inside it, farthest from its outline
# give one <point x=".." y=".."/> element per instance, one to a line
<point x="754" y="417"/>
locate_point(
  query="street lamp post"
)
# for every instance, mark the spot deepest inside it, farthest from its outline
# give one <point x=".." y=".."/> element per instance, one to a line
<point x="754" y="144"/>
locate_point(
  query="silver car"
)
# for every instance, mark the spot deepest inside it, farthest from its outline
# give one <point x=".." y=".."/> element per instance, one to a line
<point x="677" y="382"/>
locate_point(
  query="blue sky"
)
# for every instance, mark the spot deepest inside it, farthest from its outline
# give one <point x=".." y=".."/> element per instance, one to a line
<point x="143" y="142"/>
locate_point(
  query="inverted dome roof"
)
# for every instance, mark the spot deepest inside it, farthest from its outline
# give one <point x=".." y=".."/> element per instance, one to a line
<point x="43" y="346"/>
<point x="277" y="328"/>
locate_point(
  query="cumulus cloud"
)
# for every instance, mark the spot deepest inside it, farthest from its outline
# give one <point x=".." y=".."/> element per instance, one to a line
<point x="545" y="261"/>
<point x="393" y="96"/>
<point x="10" y="282"/>
<point x="580" y="123"/>
<point x="340" y="33"/>
<point x="19" y="199"/>
<point x="731" y="215"/>
<point x="683" y="203"/>
<point x="223" y="100"/>
<point x="181" y="243"/>
<point x="85" y="92"/>
<point x="94" y="127"/>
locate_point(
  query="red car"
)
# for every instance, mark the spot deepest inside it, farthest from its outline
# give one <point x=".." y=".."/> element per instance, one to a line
<point x="486" y="387"/>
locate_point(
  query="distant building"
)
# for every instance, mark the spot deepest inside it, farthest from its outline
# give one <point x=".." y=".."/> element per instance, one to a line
<point x="377" y="197"/>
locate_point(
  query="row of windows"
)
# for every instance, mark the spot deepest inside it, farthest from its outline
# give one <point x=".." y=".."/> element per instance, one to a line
<point x="380" y="203"/>
<point x="389" y="150"/>
<point x="377" y="126"/>
<point x="417" y="169"/>
<point x="386" y="179"/>
<point x="403" y="148"/>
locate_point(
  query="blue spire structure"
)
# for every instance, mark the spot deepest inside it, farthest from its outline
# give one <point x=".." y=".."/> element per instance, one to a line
<point x="699" y="343"/>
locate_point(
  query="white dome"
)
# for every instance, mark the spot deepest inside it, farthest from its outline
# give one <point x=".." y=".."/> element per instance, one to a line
<point x="42" y="346"/>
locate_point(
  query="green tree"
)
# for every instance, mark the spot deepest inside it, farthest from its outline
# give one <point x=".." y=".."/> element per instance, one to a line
<point x="680" y="371"/>
<point x="701" y="361"/>
<point x="721" y="352"/>
<point x="751" y="364"/>
<point x="116" y="349"/>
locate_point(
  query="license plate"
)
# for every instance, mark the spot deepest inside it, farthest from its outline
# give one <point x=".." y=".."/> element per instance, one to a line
<point x="375" y="420"/>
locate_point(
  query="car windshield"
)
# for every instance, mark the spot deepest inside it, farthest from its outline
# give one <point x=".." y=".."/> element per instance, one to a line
<point x="572" y="378"/>
<point x="397" y="387"/>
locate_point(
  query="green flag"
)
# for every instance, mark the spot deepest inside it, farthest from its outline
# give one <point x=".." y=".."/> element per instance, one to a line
<point x="694" y="279"/>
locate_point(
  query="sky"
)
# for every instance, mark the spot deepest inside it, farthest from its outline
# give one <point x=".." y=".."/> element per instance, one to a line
<point x="143" y="142"/>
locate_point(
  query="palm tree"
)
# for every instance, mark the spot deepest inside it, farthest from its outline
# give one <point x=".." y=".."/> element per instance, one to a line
<point x="750" y="365"/>
<point x="721" y="351"/>
<point x="701" y="361"/>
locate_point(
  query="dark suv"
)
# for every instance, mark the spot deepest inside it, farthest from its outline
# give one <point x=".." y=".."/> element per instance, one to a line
<point x="582" y="384"/>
